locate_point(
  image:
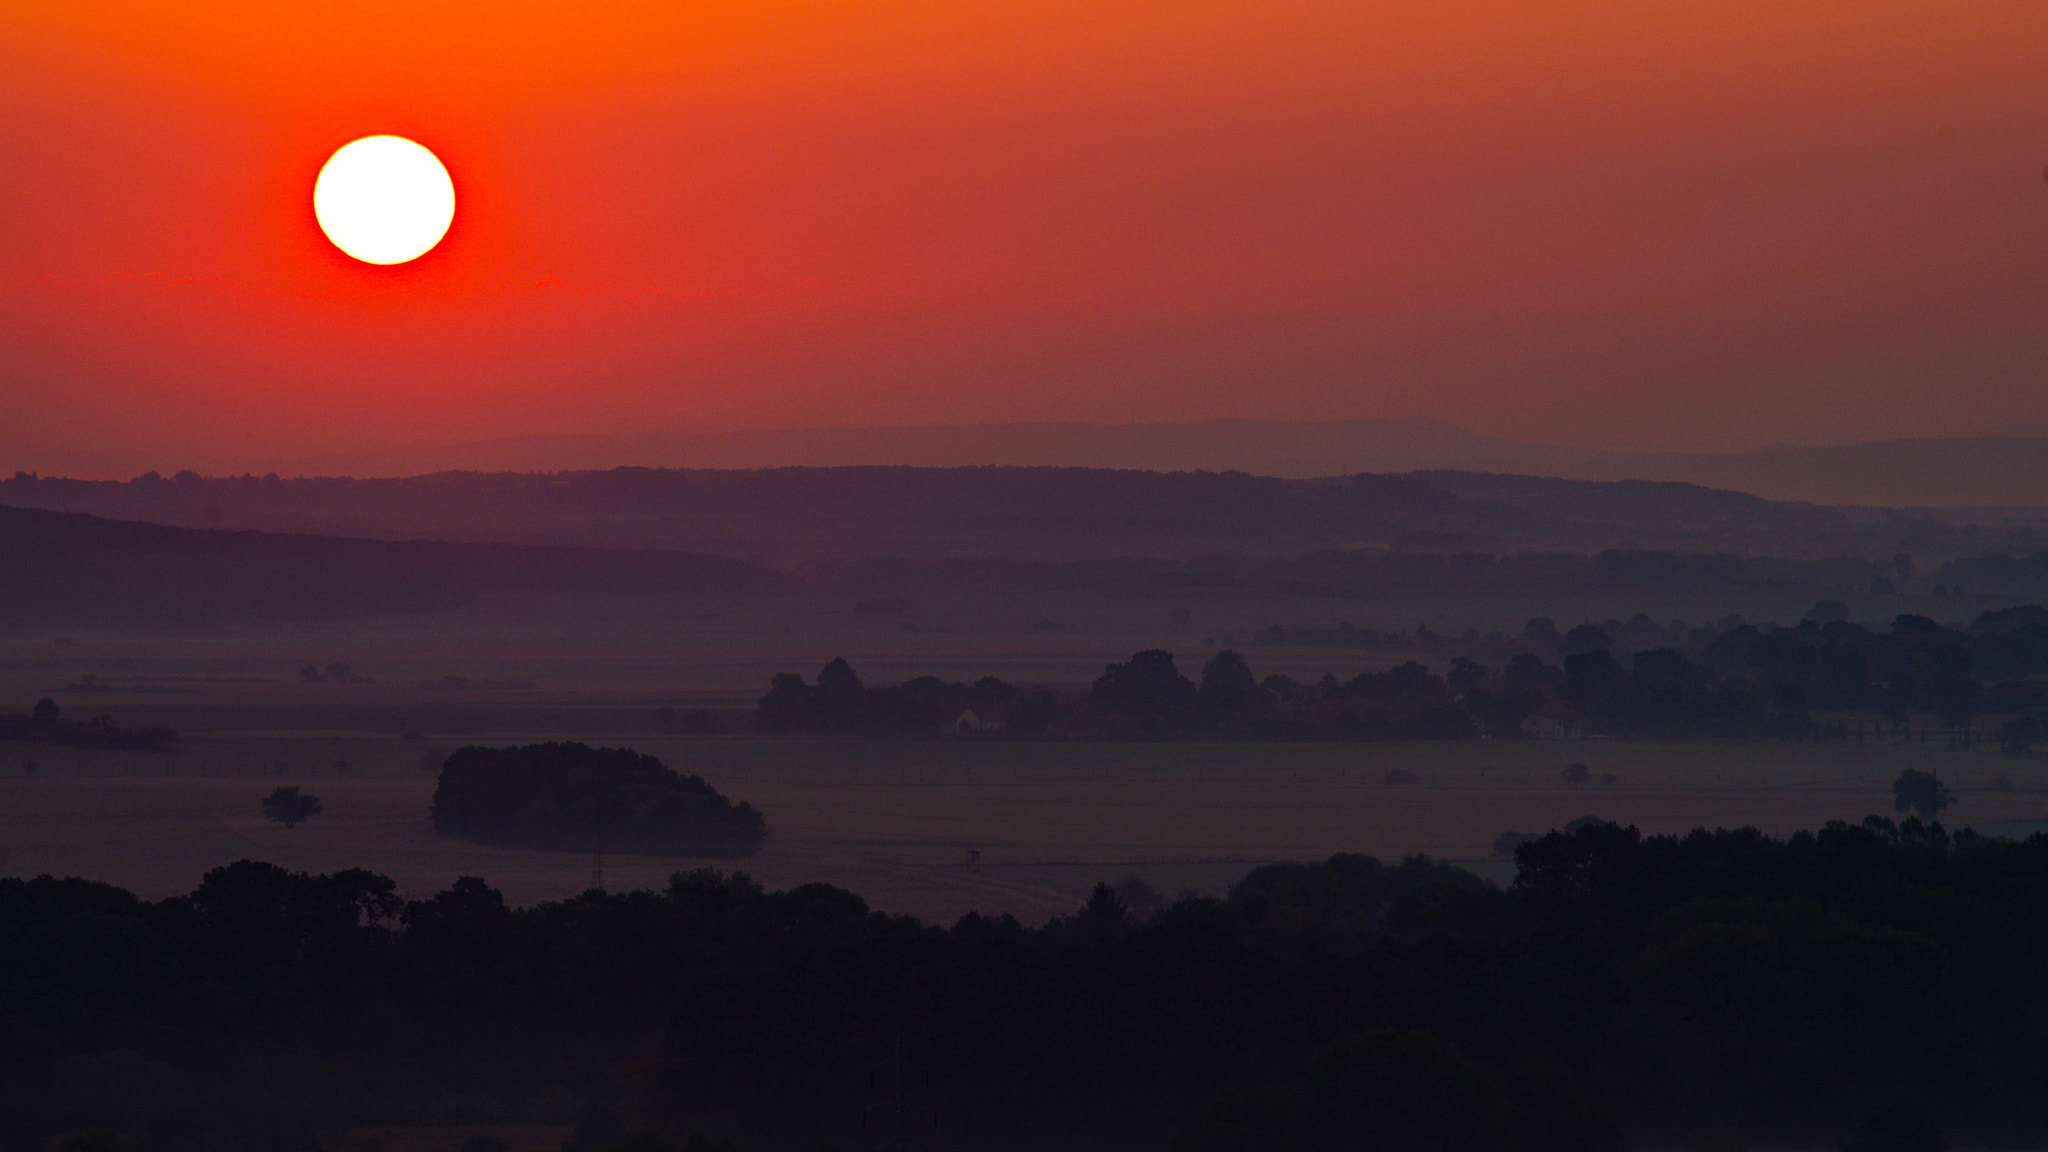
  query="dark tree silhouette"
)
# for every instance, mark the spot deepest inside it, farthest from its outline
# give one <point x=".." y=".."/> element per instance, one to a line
<point x="1587" y="637"/>
<point x="1920" y="793"/>
<point x="1228" y="687"/>
<point x="837" y="677"/>
<point x="1104" y="914"/>
<point x="289" y="807"/>
<point x="1147" y="685"/>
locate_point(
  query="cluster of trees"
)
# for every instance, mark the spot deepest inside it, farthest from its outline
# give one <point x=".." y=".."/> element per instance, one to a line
<point x="1746" y="680"/>
<point x="1917" y="665"/>
<point x="574" y="797"/>
<point x="1732" y="679"/>
<point x="336" y="672"/>
<point x="45" y="724"/>
<point x="836" y="701"/>
<point x="1407" y="702"/>
<point x="1778" y="988"/>
<point x="290" y="807"/>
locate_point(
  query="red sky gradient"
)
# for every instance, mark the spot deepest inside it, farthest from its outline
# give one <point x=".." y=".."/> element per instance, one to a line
<point x="1630" y="225"/>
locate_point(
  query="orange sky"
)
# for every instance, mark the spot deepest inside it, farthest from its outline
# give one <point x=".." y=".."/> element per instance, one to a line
<point x="1630" y="224"/>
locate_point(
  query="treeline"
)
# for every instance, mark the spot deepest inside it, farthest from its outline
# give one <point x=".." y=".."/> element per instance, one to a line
<point x="2020" y="575"/>
<point x="1746" y="680"/>
<point x="1623" y="983"/>
<point x="838" y="702"/>
<point x="45" y="724"/>
<point x="570" y="796"/>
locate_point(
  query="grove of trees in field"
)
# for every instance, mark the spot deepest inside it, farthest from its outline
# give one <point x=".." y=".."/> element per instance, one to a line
<point x="571" y="796"/>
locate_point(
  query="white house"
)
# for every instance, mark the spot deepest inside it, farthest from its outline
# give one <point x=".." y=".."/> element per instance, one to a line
<point x="1556" y="722"/>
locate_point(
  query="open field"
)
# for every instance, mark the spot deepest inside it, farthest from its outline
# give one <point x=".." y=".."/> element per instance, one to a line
<point x="894" y="821"/>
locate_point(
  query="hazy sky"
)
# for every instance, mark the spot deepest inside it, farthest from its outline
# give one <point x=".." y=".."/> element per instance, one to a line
<point x="1632" y="224"/>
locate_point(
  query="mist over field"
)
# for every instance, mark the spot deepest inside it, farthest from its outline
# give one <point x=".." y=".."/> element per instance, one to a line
<point x="1018" y="806"/>
<point x="634" y="576"/>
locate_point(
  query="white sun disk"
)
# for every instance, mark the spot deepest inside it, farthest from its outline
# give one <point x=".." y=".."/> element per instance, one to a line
<point x="384" y="200"/>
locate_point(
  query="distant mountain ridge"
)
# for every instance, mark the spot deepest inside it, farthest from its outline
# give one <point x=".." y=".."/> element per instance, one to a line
<point x="1924" y="472"/>
<point x="789" y="517"/>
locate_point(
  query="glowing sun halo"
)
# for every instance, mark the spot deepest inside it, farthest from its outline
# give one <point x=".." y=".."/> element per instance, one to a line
<point x="384" y="199"/>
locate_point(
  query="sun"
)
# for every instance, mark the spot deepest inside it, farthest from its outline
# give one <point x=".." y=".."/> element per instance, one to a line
<point x="384" y="199"/>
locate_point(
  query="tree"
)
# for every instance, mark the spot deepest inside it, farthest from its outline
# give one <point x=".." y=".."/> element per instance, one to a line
<point x="1228" y="687"/>
<point x="1920" y="793"/>
<point x="841" y="696"/>
<point x="1595" y="683"/>
<point x="1587" y="637"/>
<point x="790" y="705"/>
<point x="1104" y="914"/>
<point x="1147" y="685"/>
<point x="289" y="808"/>
<point x="838" y="678"/>
<point x="1465" y="675"/>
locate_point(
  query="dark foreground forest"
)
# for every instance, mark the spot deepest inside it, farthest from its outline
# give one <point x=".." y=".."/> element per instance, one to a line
<point x="1623" y="988"/>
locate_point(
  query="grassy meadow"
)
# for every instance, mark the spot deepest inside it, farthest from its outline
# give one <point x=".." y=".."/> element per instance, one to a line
<point x="895" y="820"/>
<point x="891" y="820"/>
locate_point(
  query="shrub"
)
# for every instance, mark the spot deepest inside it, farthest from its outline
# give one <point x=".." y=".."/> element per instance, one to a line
<point x="289" y="807"/>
